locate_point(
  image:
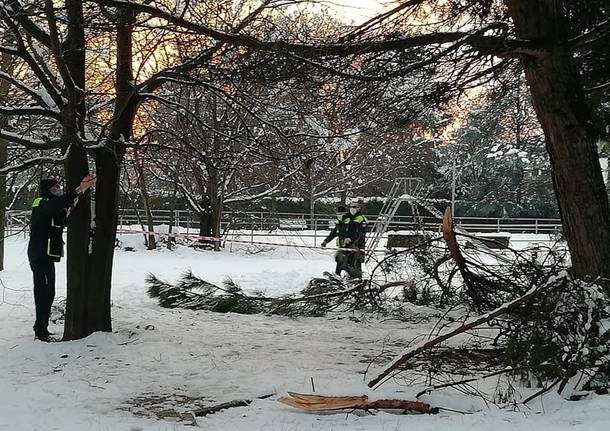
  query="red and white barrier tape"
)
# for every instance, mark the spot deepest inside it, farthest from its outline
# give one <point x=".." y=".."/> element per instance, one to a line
<point x="239" y="241"/>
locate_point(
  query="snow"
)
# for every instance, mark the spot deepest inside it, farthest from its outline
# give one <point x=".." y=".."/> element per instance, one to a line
<point x="160" y="358"/>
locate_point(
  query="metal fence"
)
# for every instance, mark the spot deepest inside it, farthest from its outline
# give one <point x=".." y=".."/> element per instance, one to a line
<point x="16" y="222"/>
<point x="267" y="222"/>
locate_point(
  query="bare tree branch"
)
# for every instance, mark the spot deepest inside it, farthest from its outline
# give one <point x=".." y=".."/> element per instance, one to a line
<point x="10" y="111"/>
<point x="492" y="45"/>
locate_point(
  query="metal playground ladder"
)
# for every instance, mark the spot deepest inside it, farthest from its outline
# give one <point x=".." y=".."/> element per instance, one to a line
<point x="404" y="189"/>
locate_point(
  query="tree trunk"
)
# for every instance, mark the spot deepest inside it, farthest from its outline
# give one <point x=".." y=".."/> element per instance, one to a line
<point x="108" y="163"/>
<point x="5" y="65"/>
<point x="172" y="219"/>
<point x="88" y="305"/>
<point x="76" y="167"/>
<point x="216" y="202"/>
<point x="307" y="194"/>
<point x="151" y="242"/>
<point x="217" y="208"/>
<point x="3" y="159"/>
<point x="562" y="110"/>
<point x="205" y="225"/>
<point x="342" y="197"/>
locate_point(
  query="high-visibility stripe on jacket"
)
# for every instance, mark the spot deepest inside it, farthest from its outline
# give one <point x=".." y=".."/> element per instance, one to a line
<point x="356" y="230"/>
<point x="47" y="225"/>
<point x="339" y="231"/>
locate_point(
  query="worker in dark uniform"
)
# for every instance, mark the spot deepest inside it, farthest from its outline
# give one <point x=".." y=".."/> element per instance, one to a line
<point x="49" y="211"/>
<point x="338" y="232"/>
<point x="355" y="238"/>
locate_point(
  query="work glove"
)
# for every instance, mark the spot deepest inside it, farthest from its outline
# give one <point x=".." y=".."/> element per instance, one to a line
<point x="87" y="182"/>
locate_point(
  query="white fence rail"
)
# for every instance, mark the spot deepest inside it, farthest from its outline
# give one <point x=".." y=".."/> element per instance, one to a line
<point x="265" y="223"/>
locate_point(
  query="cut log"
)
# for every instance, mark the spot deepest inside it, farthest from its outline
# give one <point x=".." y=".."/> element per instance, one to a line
<point x="319" y="403"/>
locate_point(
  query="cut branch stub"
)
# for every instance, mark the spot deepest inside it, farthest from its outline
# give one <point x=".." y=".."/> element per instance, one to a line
<point x="451" y="239"/>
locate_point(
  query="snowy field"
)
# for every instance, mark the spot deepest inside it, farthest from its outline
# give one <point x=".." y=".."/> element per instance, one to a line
<point x="159" y="358"/>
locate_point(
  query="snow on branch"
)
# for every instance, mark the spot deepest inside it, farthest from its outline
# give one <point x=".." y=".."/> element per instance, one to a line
<point x="262" y="194"/>
<point x="52" y="91"/>
<point x="26" y="164"/>
<point x="41" y="97"/>
<point x="597" y="33"/>
<point x="29" y="141"/>
<point x="11" y="50"/>
<point x="11" y="111"/>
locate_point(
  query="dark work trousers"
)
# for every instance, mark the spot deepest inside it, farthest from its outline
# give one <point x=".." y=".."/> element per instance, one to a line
<point x="44" y="292"/>
<point x="354" y="264"/>
<point x="341" y="258"/>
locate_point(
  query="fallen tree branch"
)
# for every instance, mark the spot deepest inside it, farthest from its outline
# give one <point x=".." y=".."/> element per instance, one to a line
<point x="319" y="403"/>
<point x="411" y="352"/>
<point x="461" y="382"/>
<point x="228" y="405"/>
<point x="322" y="295"/>
<point x="542" y="391"/>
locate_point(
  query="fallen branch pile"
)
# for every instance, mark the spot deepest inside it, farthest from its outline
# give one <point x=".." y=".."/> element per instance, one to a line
<point x="550" y="325"/>
<point x="486" y="318"/>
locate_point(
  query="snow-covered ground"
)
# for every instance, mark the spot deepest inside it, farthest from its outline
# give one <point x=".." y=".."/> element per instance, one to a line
<point x="159" y="358"/>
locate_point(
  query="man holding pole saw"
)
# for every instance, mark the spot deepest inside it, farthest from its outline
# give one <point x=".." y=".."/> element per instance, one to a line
<point x="49" y="214"/>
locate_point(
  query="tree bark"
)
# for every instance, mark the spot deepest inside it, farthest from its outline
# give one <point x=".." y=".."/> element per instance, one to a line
<point x="559" y="100"/>
<point x="151" y="242"/>
<point x="215" y="196"/>
<point x="307" y="193"/>
<point x="88" y="304"/>
<point x="172" y="219"/>
<point x="5" y="65"/>
<point x="205" y="225"/>
<point x="3" y="159"/>
<point x="109" y="162"/>
<point x="76" y="168"/>
<point x="217" y="209"/>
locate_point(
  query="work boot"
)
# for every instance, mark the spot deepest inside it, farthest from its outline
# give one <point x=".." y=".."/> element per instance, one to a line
<point x="43" y="335"/>
<point x="44" y="338"/>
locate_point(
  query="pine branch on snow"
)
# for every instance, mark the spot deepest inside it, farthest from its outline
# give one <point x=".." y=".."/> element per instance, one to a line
<point x="192" y="292"/>
<point x="319" y="297"/>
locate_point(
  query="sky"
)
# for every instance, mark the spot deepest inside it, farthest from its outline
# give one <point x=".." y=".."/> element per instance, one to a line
<point x="357" y="10"/>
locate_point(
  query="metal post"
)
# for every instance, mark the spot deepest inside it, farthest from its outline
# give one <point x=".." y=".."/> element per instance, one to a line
<point x="312" y="207"/>
<point x="453" y="189"/>
<point x="252" y="230"/>
<point x="315" y="232"/>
